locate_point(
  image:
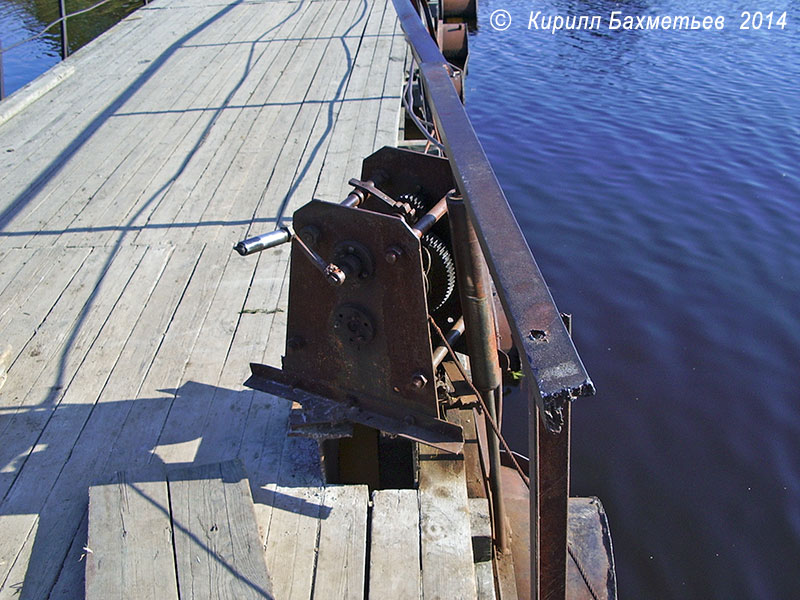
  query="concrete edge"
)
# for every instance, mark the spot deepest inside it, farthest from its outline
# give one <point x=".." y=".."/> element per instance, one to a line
<point x="30" y="92"/>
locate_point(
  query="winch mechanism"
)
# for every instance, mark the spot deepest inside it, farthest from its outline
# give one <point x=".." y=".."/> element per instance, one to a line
<point x="365" y="277"/>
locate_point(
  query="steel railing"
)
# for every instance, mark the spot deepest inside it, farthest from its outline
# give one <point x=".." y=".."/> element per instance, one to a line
<point x="553" y="370"/>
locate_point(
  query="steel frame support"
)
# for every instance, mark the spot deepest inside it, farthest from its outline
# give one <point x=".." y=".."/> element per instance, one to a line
<point x="2" y="78"/>
<point x="62" y="13"/>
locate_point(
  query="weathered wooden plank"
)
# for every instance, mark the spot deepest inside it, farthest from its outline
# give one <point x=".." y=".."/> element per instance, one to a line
<point x="122" y="367"/>
<point x="334" y="170"/>
<point x="11" y="261"/>
<point x="291" y="538"/>
<point x="140" y="179"/>
<point x="482" y="553"/>
<point x="477" y="483"/>
<point x="447" y="569"/>
<point x="220" y="139"/>
<point x="60" y="344"/>
<point x="273" y="147"/>
<point x="65" y="425"/>
<point x="71" y="582"/>
<point x="369" y="106"/>
<point x="342" y="544"/>
<point x="147" y="415"/>
<point x="39" y="551"/>
<point x="132" y="133"/>
<point x="132" y="63"/>
<point x="217" y="550"/>
<point x="28" y="299"/>
<point x="194" y="414"/>
<point x="391" y="103"/>
<point x="39" y="176"/>
<point x="129" y="551"/>
<point x="48" y="115"/>
<point x="394" y="561"/>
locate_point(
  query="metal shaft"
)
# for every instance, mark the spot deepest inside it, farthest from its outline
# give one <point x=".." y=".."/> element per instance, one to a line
<point x="452" y="337"/>
<point x="430" y="218"/>
<point x="474" y="287"/>
<point x="353" y="199"/>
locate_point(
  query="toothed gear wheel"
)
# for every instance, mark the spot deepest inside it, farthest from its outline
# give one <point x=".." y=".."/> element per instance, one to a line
<point x="440" y="271"/>
<point x="416" y="202"/>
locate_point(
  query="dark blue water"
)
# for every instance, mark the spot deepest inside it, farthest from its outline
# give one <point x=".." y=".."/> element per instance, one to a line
<point x="656" y="175"/>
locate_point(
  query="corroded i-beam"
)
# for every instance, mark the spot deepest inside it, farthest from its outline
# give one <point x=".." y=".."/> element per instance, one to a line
<point x="553" y="370"/>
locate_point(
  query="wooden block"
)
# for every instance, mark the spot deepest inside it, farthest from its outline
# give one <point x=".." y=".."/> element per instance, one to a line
<point x="481" y="523"/>
<point x="129" y="552"/>
<point x="342" y="544"/>
<point x="394" y="567"/>
<point x="447" y="568"/>
<point x="218" y="552"/>
<point x="291" y="523"/>
<point x="466" y="417"/>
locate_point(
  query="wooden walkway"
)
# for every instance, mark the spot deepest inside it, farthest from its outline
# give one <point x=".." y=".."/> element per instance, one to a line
<point x="126" y="321"/>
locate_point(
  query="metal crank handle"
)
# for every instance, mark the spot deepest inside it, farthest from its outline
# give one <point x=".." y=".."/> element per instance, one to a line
<point x="333" y="274"/>
<point x="263" y="241"/>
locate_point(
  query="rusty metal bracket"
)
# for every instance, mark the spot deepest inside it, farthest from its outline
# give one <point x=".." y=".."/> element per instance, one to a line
<point x="417" y="427"/>
<point x="369" y="188"/>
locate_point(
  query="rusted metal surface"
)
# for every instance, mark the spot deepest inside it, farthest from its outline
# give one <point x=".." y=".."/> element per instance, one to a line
<point x="420" y="428"/>
<point x="452" y="38"/>
<point x="429" y="219"/>
<point x="368" y="338"/>
<point x="590" y="562"/>
<point x="553" y="455"/>
<point x="360" y="350"/>
<point x="405" y="171"/>
<point x="460" y="9"/>
<point x="551" y="360"/>
<point x="554" y="494"/>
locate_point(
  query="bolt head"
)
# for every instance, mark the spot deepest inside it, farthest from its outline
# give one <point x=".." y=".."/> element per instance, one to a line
<point x="392" y="254"/>
<point x="419" y="381"/>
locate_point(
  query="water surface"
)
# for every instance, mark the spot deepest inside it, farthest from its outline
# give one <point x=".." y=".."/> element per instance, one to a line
<point x="655" y="176"/>
<point x="21" y="19"/>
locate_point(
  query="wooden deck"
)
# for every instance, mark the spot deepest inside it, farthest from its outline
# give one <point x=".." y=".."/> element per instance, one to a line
<point x="126" y="321"/>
